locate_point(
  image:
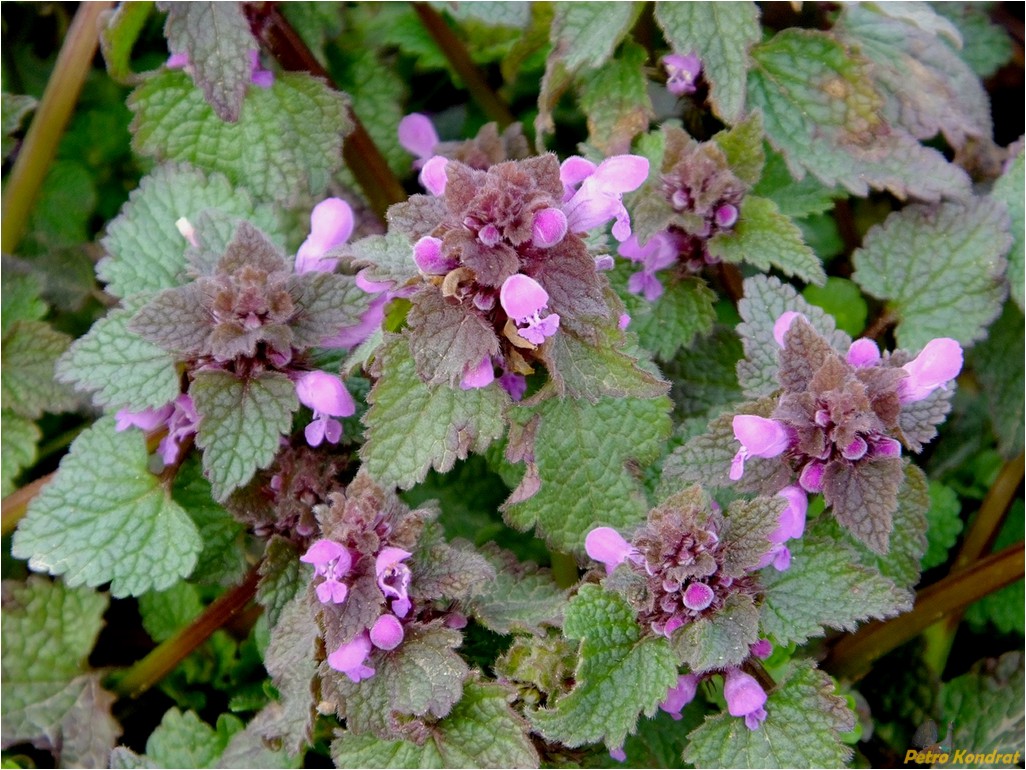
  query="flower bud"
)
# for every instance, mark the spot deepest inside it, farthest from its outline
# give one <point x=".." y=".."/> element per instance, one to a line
<point x="387" y="632"/>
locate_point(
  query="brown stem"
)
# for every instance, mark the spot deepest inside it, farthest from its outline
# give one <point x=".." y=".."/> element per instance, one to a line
<point x="852" y="656"/>
<point x="733" y="282"/>
<point x="163" y="659"/>
<point x="458" y="56"/>
<point x="877" y="326"/>
<point x="362" y="156"/>
<point x="15" y="504"/>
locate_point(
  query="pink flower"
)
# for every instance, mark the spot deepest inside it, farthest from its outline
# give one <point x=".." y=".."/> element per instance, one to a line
<point x="327" y="396"/>
<point x="759" y="437"/>
<point x="432" y="176"/>
<point x="600" y="196"/>
<point x="350" y="657"/>
<point x="417" y="136"/>
<point x="681" y="695"/>
<point x="146" y="420"/>
<point x="387" y="632"/>
<point x="332" y="562"/>
<point x="179" y="416"/>
<point x="863" y="352"/>
<point x="938" y="363"/>
<point x="514" y="384"/>
<point x="658" y="253"/>
<point x="479" y="376"/>
<point x="523" y="299"/>
<point x="682" y="72"/>
<point x="606" y="545"/>
<point x="698" y="596"/>
<point x="745" y="698"/>
<point x="548" y="228"/>
<point x="783" y="323"/>
<point x="394" y="577"/>
<point x="618" y="754"/>
<point x="427" y="253"/>
<point x="331" y="224"/>
<point x="725" y="216"/>
<point x="761" y="649"/>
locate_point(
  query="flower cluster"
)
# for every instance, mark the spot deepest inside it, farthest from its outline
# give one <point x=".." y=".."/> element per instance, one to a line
<point x="744" y="695"/>
<point x="501" y="250"/>
<point x="700" y="197"/>
<point x="842" y="418"/>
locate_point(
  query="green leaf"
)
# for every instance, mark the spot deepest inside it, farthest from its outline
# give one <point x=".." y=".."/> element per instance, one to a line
<point x="21" y="300"/>
<point x="614" y="99"/>
<point x="826" y="587"/>
<point x="823" y="115"/>
<point x="621" y="673"/>
<point x="841" y="299"/>
<point x="223" y="560"/>
<point x="287" y="141"/>
<point x="61" y="213"/>
<point x="164" y="613"/>
<point x="48" y="632"/>
<point x="185" y="740"/>
<point x="120" y="368"/>
<point x="1003" y="609"/>
<point x="720" y="640"/>
<point x="378" y="92"/>
<point x="703" y="378"/>
<point x="744" y="149"/>
<point x="145" y="251"/>
<point x="582" y="453"/>
<point x="447" y="339"/>
<point x="18" y="440"/>
<point x="291" y="660"/>
<point x="721" y="34"/>
<point x="89" y="730"/>
<point x="106" y="518"/>
<point x="803" y="727"/>
<point x="765" y="238"/>
<point x="1009" y="190"/>
<point x="584" y="36"/>
<point x="794" y="198"/>
<point x="965" y="242"/>
<point x="945" y="524"/>
<point x="684" y="310"/>
<point x="766" y="298"/>
<point x="412" y="427"/>
<point x="218" y="42"/>
<point x="241" y="424"/>
<point x="389" y="257"/>
<point x="29" y="352"/>
<point x="15" y="108"/>
<point x="482" y="731"/>
<point x="927" y="88"/>
<point x="521" y="597"/>
<point x="986" y="708"/>
<point x="121" y="29"/>
<point x="986" y="46"/>
<point x="998" y="363"/>
<point x="282" y="576"/>
<point x="250" y="748"/>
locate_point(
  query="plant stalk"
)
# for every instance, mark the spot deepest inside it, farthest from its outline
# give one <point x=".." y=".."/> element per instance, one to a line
<point x="44" y="133"/>
<point x="458" y="56"/>
<point x="852" y="656"/>
<point x="164" y="658"/>
<point x="15" y="504"/>
<point x="361" y="155"/>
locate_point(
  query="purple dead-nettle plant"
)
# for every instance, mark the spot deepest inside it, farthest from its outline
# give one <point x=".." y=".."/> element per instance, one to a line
<point x="681" y="73"/>
<point x="696" y="197"/>
<point x="841" y="420"/>
<point x="249" y="310"/>
<point x="692" y="563"/>
<point x="502" y="266"/>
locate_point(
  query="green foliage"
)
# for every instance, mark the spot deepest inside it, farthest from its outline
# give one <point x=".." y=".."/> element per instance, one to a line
<point x="1004" y="609"/>
<point x="521" y="597"/>
<point x="288" y="138"/>
<point x="964" y="241"/>
<point x="620" y="675"/>
<point x="721" y="35"/>
<point x="412" y="427"/>
<point x="1009" y="190"/>
<point x="985" y="46"/>
<point x="842" y="299"/>
<point x="291" y="661"/>
<point x="15" y="108"/>
<point x="986" y="707"/>
<point x="182" y="740"/>
<point x="242" y="421"/>
<point x="29" y="352"/>
<point x="615" y="100"/>
<point x="50" y="698"/>
<point x="482" y="731"/>
<point x="720" y="640"/>
<point x="118" y="522"/>
<point x="121" y="29"/>
<point x="581" y="457"/>
<point x="803" y="728"/>
<point x="18" y="439"/>
<point x="945" y="524"/>
<point x="164" y="613"/>
<point x="823" y="115"/>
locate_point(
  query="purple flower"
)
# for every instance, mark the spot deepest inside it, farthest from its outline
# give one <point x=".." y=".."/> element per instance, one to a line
<point x="514" y="384"/>
<point x="938" y="363"/>
<point x="417" y="136"/>
<point x="523" y="299"/>
<point x="697" y="596"/>
<point x="681" y="695"/>
<point x="659" y="253"/>
<point x="745" y="697"/>
<point x="387" y="632"/>
<point x="432" y="176"/>
<point x="606" y="545"/>
<point x="682" y="72"/>
<point x="146" y="420"/>
<point x="179" y="416"/>
<point x="258" y="75"/>
<point x="394" y="577"/>
<point x="791" y="524"/>
<point x="618" y="754"/>
<point x="327" y="396"/>
<point x="427" y="253"/>
<point x="863" y="352"/>
<point x="783" y="323"/>
<point x="600" y="196"/>
<point x="350" y="657"/>
<point x="332" y="562"/>
<point x="548" y="228"/>
<point x="725" y="216"/>
<point x="331" y="224"/>
<point x="761" y="649"/>
<point x="479" y="376"/>
<point x="759" y="437"/>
